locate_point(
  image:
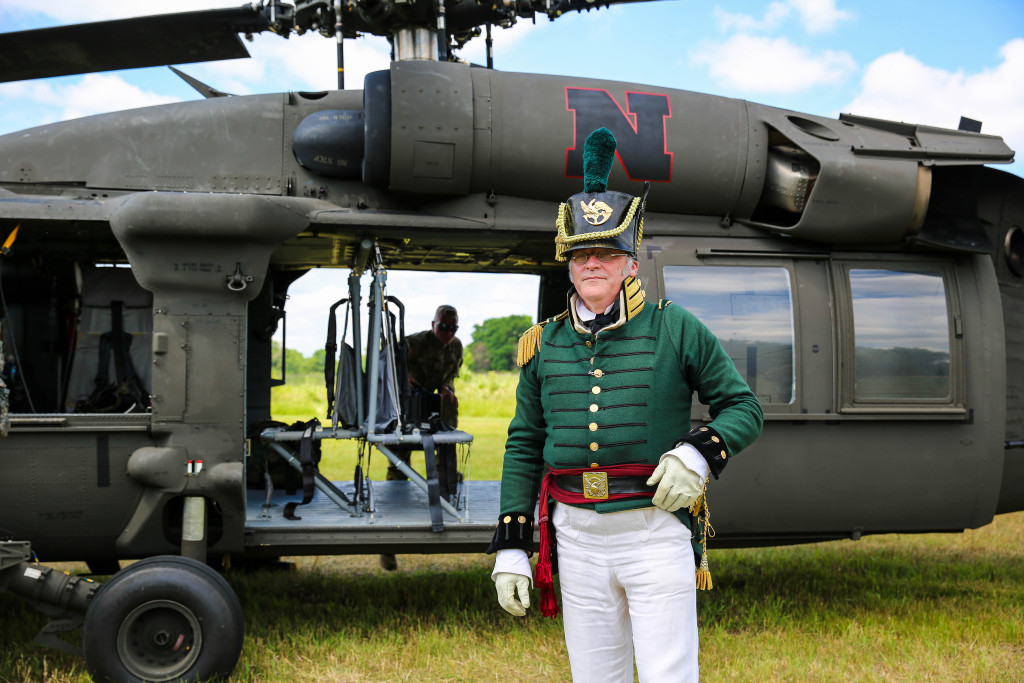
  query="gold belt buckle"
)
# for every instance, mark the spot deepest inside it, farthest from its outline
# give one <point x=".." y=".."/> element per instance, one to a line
<point x="595" y="485"/>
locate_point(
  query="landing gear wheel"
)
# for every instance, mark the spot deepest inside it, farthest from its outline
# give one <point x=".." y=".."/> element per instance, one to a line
<point x="164" y="618"/>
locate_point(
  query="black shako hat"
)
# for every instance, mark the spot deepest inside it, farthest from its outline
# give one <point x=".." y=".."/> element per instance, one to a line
<point x="598" y="217"/>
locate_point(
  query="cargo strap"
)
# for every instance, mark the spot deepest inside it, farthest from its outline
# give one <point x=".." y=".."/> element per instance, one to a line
<point x="433" y="485"/>
<point x="308" y="469"/>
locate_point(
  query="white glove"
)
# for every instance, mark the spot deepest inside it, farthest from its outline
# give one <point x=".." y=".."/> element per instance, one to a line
<point x="679" y="487"/>
<point x="508" y="584"/>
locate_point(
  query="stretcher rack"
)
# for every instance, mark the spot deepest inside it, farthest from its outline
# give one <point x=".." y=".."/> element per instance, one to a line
<point x="274" y="437"/>
<point x="380" y="340"/>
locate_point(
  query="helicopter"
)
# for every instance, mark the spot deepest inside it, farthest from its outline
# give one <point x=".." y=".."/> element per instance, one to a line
<point x="866" y="276"/>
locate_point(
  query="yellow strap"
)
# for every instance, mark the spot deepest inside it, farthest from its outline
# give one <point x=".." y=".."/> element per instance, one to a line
<point x="11" y="237"/>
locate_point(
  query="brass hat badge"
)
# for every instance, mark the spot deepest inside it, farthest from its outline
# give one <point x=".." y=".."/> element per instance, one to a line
<point x="595" y="212"/>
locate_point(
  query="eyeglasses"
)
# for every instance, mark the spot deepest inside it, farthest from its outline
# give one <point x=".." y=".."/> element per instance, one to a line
<point x="445" y="327"/>
<point x="602" y="256"/>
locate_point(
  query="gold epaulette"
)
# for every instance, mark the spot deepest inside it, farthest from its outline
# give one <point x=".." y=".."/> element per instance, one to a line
<point x="635" y="296"/>
<point x="529" y="343"/>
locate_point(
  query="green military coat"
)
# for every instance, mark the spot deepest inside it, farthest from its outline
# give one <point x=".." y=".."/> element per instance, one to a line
<point x="622" y="395"/>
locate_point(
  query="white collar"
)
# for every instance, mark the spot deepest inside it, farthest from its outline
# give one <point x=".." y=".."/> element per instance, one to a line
<point x="585" y="313"/>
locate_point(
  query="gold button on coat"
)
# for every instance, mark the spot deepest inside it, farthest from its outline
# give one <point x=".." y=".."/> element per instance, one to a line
<point x="594" y="446"/>
<point x="593" y="426"/>
<point x="596" y="390"/>
<point x="593" y="407"/>
<point x="598" y="373"/>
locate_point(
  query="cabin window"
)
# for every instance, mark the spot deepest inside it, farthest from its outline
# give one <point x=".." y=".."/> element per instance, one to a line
<point x="750" y="310"/>
<point x="901" y="336"/>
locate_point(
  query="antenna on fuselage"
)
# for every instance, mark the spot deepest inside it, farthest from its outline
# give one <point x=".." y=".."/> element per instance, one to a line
<point x="341" y="44"/>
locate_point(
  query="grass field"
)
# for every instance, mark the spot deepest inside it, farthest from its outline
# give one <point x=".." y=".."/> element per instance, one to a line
<point x="486" y="404"/>
<point x="885" y="608"/>
<point x="936" y="607"/>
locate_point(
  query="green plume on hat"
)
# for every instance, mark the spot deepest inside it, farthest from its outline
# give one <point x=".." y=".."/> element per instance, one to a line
<point x="598" y="153"/>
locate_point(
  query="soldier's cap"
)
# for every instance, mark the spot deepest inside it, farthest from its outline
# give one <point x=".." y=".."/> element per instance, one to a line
<point x="599" y="217"/>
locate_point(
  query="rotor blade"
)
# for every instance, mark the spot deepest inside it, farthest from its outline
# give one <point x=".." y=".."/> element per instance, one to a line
<point x="158" y="40"/>
<point x="559" y="7"/>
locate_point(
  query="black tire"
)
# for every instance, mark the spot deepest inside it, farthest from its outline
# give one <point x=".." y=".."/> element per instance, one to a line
<point x="164" y="618"/>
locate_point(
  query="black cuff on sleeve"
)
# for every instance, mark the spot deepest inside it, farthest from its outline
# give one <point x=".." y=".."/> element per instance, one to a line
<point x="515" y="530"/>
<point x="710" y="444"/>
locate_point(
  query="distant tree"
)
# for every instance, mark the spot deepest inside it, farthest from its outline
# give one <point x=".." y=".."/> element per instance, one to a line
<point x="495" y="341"/>
<point x="298" y="366"/>
<point x="476" y="357"/>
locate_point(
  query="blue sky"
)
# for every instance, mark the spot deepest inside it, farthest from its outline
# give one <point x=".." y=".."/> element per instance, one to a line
<point x="920" y="61"/>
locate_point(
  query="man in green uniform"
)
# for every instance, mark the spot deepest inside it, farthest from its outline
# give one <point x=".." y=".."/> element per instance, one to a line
<point x="602" y="427"/>
<point x="435" y="356"/>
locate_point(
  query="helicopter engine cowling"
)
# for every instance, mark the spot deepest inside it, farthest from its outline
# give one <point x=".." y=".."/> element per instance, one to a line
<point x="330" y="143"/>
<point x="449" y="129"/>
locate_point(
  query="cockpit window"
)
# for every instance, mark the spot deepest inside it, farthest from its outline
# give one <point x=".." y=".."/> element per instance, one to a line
<point x="901" y="335"/>
<point x="750" y="310"/>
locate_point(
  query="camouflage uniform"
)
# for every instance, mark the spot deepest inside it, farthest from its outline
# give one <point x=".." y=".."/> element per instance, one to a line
<point x="433" y="365"/>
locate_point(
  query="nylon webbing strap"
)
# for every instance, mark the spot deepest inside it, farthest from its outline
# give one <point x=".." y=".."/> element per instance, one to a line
<point x="433" y="487"/>
<point x="308" y="471"/>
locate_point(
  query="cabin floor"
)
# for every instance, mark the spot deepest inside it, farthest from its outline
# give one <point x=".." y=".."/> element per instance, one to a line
<point x="398" y="520"/>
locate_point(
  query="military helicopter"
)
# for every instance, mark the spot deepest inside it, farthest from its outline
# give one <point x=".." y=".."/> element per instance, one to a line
<point x="866" y="276"/>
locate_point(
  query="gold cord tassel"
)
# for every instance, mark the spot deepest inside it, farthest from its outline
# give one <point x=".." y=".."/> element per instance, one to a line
<point x="529" y="344"/>
<point x="703" y="572"/>
<point x="560" y="243"/>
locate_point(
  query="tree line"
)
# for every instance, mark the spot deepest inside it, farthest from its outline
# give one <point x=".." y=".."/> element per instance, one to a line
<point x="492" y="348"/>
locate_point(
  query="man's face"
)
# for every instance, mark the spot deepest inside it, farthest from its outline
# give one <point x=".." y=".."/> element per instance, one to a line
<point x="445" y="326"/>
<point x="598" y="282"/>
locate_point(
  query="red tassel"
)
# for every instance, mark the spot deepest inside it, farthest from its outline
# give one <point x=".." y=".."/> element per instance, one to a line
<point x="542" y="572"/>
<point x="548" y="603"/>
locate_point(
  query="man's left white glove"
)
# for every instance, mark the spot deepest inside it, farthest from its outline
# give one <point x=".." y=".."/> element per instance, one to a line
<point x="508" y="585"/>
<point x="678" y="486"/>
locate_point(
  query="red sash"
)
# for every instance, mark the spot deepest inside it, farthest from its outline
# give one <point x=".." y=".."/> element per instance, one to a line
<point x="548" y="487"/>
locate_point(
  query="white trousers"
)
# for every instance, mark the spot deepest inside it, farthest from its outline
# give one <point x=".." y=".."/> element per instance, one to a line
<point x="628" y="584"/>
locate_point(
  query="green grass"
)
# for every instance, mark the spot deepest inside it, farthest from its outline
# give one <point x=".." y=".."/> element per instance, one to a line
<point x="935" y="607"/>
<point x="486" y="405"/>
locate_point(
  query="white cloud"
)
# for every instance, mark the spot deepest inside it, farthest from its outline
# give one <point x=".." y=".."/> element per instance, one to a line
<point x="816" y="16"/>
<point x="898" y="86"/>
<point x="92" y="94"/>
<point x="477" y="296"/>
<point x="505" y="41"/>
<point x="307" y="62"/>
<point x="773" y="17"/>
<point x="98" y="93"/>
<point x="771" y="65"/>
<point x="819" y="16"/>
